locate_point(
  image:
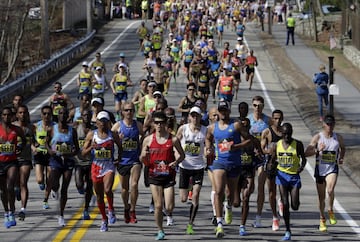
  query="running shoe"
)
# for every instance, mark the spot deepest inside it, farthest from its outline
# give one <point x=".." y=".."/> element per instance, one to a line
<point x="7" y="221"/>
<point x="332" y="217"/>
<point x="151" y="208"/>
<point x="104" y="226"/>
<point x="133" y="219"/>
<point x="42" y="186"/>
<point x="81" y="191"/>
<point x="12" y="220"/>
<point x="21" y="215"/>
<point x="219" y="232"/>
<point x="112" y="217"/>
<point x="46" y="205"/>
<point x="127" y="215"/>
<point x="160" y="235"/>
<point x="280" y="207"/>
<point x="287" y="236"/>
<point x="275" y="224"/>
<point x="322" y="226"/>
<point x="228" y="215"/>
<point x="242" y="230"/>
<point x="61" y="221"/>
<point x="257" y="222"/>
<point x="86" y="215"/>
<point x="189" y="229"/>
<point x="170" y="221"/>
<point x="54" y="195"/>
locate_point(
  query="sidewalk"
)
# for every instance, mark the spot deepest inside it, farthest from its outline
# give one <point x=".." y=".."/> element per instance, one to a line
<point x="304" y="57"/>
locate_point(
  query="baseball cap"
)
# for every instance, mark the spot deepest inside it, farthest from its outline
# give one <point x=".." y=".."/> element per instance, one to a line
<point x="195" y="110"/>
<point x="85" y="63"/>
<point x="171" y="34"/>
<point x="329" y="119"/>
<point x="231" y="51"/>
<point x="121" y="54"/>
<point x="210" y="40"/>
<point x="98" y="68"/>
<point x="97" y="100"/>
<point x="174" y="40"/>
<point x="152" y="84"/>
<point x="157" y="93"/>
<point x="223" y="105"/>
<point x="103" y="116"/>
<point x="122" y="65"/>
<point x="239" y="38"/>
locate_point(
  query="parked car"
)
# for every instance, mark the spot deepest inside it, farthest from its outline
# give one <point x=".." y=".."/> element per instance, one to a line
<point x="328" y="9"/>
<point x="34" y="13"/>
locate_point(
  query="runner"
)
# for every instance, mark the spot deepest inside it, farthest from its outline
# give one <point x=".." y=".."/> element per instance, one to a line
<point x="60" y="99"/>
<point x="84" y="80"/>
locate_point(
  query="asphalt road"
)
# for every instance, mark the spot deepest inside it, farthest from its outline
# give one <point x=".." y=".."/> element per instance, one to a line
<point x="42" y="225"/>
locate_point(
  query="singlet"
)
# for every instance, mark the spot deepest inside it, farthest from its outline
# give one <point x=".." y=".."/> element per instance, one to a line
<point x="85" y="82"/>
<point x="120" y="83"/>
<point x="251" y="61"/>
<point x="257" y="126"/>
<point x="223" y="141"/>
<point x="99" y="87"/>
<point x="248" y="159"/>
<point x="130" y="143"/>
<point x="26" y="154"/>
<point x="203" y="78"/>
<point x="326" y="160"/>
<point x="187" y="104"/>
<point x="288" y="159"/>
<point x="8" y="144"/>
<point x="82" y="160"/>
<point x="193" y="146"/>
<point x="138" y="105"/>
<point x="57" y="103"/>
<point x="160" y="157"/>
<point x="40" y="137"/>
<point x="226" y="85"/>
<point x="103" y="153"/>
<point x="62" y="143"/>
<point x="149" y="103"/>
<point x="189" y="55"/>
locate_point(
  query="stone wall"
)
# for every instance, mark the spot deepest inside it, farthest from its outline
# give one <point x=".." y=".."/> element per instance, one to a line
<point x="352" y="54"/>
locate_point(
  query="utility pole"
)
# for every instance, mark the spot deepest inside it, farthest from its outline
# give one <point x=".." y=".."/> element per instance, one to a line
<point x="88" y="17"/>
<point x="313" y="8"/>
<point x="269" y="20"/>
<point x="45" y="38"/>
<point x="331" y="81"/>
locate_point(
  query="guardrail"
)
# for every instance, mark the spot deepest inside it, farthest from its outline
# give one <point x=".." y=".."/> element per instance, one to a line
<point x="48" y="68"/>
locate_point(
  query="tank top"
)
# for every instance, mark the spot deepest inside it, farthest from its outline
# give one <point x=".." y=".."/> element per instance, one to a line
<point x="288" y="159"/>
<point x="138" y="105"/>
<point x="248" y="156"/>
<point x="120" y="83"/>
<point x="26" y="154"/>
<point x="193" y="146"/>
<point x="160" y="157"/>
<point x="274" y="137"/>
<point x="62" y="143"/>
<point x="8" y="144"/>
<point x="102" y="154"/>
<point x="257" y="126"/>
<point x="40" y="137"/>
<point x="223" y="141"/>
<point x="82" y="160"/>
<point x="57" y="103"/>
<point x="99" y="87"/>
<point x="130" y="143"/>
<point x="85" y="82"/>
<point x="226" y="85"/>
<point x="149" y="103"/>
<point x="327" y="159"/>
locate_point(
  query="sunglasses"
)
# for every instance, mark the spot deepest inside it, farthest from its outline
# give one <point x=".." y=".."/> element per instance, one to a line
<point x="258" y="105"/>
<point x="159" y="122"/>
<point x="191" y="89"/>
<point x="46" y="113"/>
<point x="157" y="96"/>
<point x="128" y="110"/>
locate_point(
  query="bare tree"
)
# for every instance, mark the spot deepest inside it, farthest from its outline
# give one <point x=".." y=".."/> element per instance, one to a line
<point x="14" y="14"/>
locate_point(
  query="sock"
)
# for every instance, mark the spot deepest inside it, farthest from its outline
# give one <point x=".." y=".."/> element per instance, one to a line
<point x="101" y="207"/>
<point x="219" y="221"/>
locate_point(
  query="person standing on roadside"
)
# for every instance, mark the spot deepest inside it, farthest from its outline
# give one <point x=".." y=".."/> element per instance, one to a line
<point x="290" y="26"/>
<point x="9" y="150"/>
<point x="40" y="152"/>
<point x="62" y="146"/>
<point x="321" y="80"/>
<point x="289" y="158"/>
<point x="158" y="154"/>
<point x="25" y="157"/>
<point x="227" y="164"/>
<point x="192" y="138"/>
<point x="130" y="132"/>
<point x="329" y="149"/>
<point x="100" y="143"/>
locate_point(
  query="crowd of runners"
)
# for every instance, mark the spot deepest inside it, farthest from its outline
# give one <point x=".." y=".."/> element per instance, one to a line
<point x="145" y="135"/>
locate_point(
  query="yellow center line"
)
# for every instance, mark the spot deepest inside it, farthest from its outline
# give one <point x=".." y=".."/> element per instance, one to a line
<point x="80" y="232"/>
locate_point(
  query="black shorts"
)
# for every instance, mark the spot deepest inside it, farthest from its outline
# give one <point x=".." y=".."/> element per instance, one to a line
<point x="250" y="70"/>
<point x="42" y="159"/>
<point x="237" y="76"/>
<point x="245" y="173"/>
<point x="125" y="170"/>
<point x="204" y="90"/>
<point x="163" y="181"/>
<point x="185" y="175"/>
<point x="5" y="166"/>
<point x="25" y="163"/>
<point x="160" y="87"/>
<point x="187" y="64"/>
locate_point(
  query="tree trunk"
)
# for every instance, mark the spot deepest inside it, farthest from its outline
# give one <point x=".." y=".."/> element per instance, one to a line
<point x="45" y="38"/>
